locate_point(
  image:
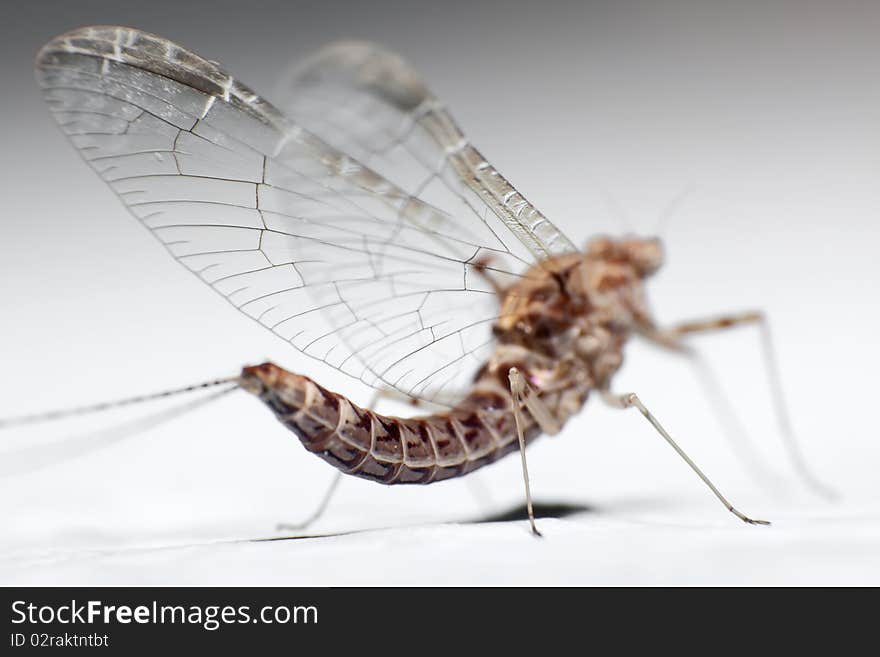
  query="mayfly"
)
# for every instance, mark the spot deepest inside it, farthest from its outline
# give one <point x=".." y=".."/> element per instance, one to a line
<point x="360" y="225"/>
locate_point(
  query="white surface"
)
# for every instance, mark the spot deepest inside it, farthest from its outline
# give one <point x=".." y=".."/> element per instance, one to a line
<point x="779" y="143"/>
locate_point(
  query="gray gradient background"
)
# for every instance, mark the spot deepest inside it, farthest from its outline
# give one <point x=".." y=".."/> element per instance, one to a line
<point x="766" y="114"/>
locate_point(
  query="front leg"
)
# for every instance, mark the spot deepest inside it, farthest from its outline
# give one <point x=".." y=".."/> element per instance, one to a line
<point x="672" y="338"/>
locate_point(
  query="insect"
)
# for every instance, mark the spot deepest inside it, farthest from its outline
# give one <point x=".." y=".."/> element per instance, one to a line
<point x="361" y="226"/>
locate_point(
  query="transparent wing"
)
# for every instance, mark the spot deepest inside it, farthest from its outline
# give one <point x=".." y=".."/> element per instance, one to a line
<point x="368" y="102"/>
<point x="349" y="267"/>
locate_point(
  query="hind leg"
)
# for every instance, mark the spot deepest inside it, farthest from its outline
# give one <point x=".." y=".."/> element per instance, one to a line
<point x="337" y="477"/>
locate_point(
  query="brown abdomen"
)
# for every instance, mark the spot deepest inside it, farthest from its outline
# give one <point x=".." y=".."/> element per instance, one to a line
<point x="389" y="450"/>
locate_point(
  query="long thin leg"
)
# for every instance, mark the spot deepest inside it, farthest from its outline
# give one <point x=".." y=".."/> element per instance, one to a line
<point x="516" y="385"/>
<point x="783" y="419"/>
<point x="522" y="395"/>
<point x="632" y="400"/>
<point x="331" y="489"/>
<point x="319" y="510"/>
<point x="378" y="394"/>
<point x="671" y="338"/>
<point x="731" y="425"/>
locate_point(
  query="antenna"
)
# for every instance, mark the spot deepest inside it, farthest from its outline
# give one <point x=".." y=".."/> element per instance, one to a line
<point x="671" y="208"/>
<point x="616" y="210"/>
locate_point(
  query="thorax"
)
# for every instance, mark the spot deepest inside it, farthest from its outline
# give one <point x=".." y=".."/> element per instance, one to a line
<point x="564" y="324"/>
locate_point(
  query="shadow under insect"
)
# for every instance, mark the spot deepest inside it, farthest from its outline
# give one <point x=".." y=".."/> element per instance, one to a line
<point x="542" y="510"/>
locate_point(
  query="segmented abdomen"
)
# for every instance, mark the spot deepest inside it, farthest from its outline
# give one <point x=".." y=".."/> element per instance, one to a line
<point x="390" y="450"/>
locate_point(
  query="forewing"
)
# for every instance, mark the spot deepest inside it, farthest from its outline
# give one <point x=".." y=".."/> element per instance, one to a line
<point x="347" y="266"/>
